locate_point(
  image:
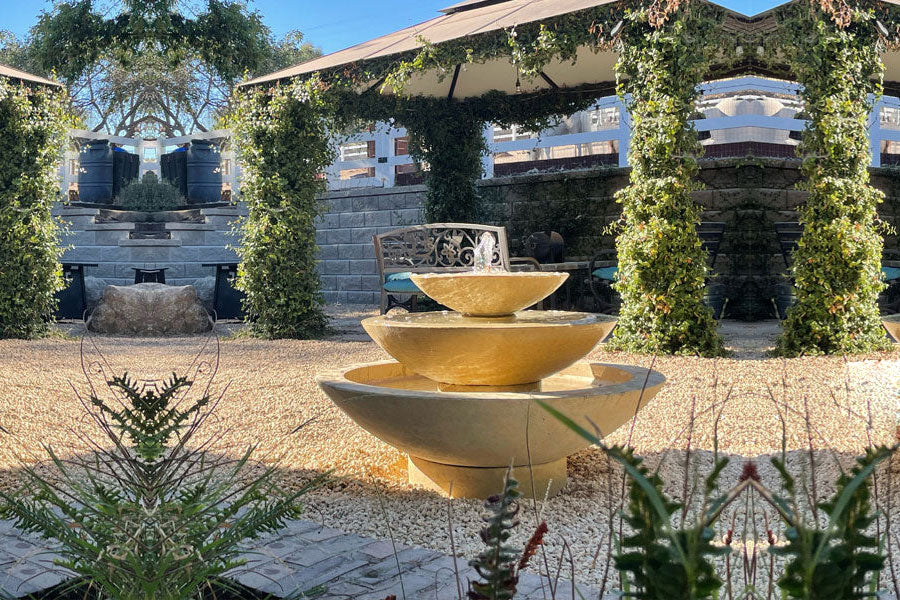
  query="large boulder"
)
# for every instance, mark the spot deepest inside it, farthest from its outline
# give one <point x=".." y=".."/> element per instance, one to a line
<point x="206" y="289"/>
<point x="150" y="309"/>
<point x="93" y="291"/>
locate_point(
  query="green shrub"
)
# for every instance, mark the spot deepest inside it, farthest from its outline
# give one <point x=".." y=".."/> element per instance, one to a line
<point x="152" y="513"/>
<point x="33" y="123"/>
<point x="150" y="195"/>
<point x="662" y="264"/>
<point x="284" y="146"/>
<point x="837" y="264"/>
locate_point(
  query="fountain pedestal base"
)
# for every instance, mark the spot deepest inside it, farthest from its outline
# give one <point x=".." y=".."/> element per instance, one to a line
<point x="481" y="482"/>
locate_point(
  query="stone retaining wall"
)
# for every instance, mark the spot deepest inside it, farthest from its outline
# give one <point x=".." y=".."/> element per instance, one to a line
<point x="749" y="194"/>
<point x="108" y="244"/>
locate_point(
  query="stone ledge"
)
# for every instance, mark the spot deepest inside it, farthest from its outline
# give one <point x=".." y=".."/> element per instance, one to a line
<point x="124" y="226"/>
<point x="76" y="211"/>
<point x="150" y="243"/>
<point x="224" y="211"/>
<point x="190" y="227"/>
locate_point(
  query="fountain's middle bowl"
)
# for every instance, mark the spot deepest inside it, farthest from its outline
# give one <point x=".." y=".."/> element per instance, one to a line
<point x="490" y="294"/>
<point x="455" y="349"/>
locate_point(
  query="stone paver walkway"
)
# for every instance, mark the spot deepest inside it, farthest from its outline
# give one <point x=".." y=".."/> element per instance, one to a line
<point x="319" y="562"/>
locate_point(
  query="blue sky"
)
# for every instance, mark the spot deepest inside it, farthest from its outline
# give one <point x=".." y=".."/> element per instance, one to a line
<point x="331" y="24"/>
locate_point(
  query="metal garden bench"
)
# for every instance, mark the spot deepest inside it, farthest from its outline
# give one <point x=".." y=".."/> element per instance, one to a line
<point x="437" y="247"/>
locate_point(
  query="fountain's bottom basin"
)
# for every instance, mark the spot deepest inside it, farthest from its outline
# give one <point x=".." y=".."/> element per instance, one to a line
<point x="466" y="436"/>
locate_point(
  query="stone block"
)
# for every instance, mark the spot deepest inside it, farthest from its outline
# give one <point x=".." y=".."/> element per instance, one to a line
<point x="360" y="204"/>
<point x="351" y="251"/>
<point x="102" y="270"/>
<point x="194" y="270"/>
<point x="109" y="238"/>
<point x="218" y="238"/>
<point x="329" y="252"/>
<point x="362" y="235"/>
<point x="329" y="282"/>
<point x="336" y="267"/>
<point x="362" y="298"/>
<point x="111" y="254"/>
<point x="148" y="242"/>
<point x="413" y="216"/>
<point x="208" y="254"/>
<point x="352" y="219"/>
<point x="192" y="238"/>
<point x="74" y="211"/>
<point x="348" y="283"/>
<point x="378" y="218"/>
<point x="331" y="221"/>
<point x="151" y="254"/>
<point x="370" y="282"/>
<point x="79" y="238"/>
<point x="321" y="237"/>
<point x="362" y="267"/>
<point x="176" y="226"/>
<point x="338" y="205"/>
<point x="338" y="236"/>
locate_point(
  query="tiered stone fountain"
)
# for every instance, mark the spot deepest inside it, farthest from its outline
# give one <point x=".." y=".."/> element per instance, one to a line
<point x="461" y="401"/>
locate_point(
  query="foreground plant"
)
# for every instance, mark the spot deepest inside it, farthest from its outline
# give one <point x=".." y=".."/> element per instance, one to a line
<point x="839" y="559"/>
<point x="499" y="563"/>
<point x="830" y="552"/>
<point x="151" y="513"/>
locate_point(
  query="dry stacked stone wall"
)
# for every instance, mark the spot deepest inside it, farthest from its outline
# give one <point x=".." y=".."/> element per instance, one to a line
<point x="749" y="194"/>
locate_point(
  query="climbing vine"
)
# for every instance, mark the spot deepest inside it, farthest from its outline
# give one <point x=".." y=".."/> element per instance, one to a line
<point x="284" y="146"/>
<point x="448" y="135"/>
<point x="33" y="124"/>
<point x="662" y="265"/>
<point x="837" y="265"/>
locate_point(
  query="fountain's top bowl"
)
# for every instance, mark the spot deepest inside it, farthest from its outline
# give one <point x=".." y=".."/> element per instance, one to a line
<point x="488" y="294"/>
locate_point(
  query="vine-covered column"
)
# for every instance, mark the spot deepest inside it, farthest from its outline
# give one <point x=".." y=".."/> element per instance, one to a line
<point x="662" y="265"/>
<point x="834" y="52"/>
<point x="284" y="146"/>
<point x="451" y="141"/>
<point x="33" y="124"/>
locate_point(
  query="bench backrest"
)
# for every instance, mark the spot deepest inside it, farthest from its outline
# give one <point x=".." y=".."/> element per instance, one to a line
<point x="436" y="247"/>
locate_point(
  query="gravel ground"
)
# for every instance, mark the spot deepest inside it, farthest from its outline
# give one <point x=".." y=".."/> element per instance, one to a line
<point x="748" y="400"/>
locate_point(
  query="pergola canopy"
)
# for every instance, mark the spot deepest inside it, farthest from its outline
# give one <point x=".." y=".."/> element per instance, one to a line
<point x="477" y="17"/>
<point x="18" y="75"/>
<point x="470" y="18"/>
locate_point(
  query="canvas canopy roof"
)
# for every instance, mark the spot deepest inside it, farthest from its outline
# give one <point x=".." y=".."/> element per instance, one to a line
<point x="474" y="17"/>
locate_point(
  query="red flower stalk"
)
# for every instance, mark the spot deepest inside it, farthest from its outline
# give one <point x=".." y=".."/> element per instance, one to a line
<point x="750" y="471"/>
<point x="537" y="538"/>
